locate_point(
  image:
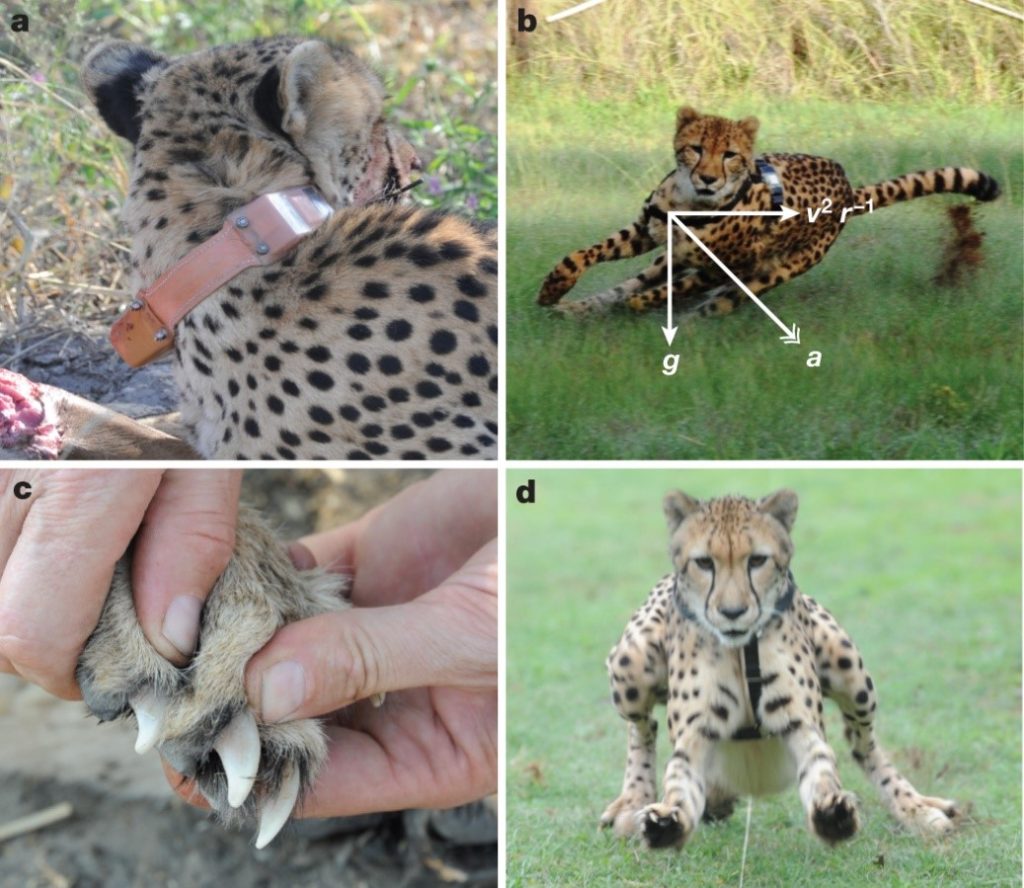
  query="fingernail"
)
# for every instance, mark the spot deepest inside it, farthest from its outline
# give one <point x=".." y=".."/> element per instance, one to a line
<point x="282" y="690"/>
<point x="181" y="623"/>
<point x="301" y="557"/>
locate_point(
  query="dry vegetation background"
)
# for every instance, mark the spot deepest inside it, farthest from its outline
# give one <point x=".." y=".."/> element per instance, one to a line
<point x="63" y="257"/>
<point x="825" y="49"/>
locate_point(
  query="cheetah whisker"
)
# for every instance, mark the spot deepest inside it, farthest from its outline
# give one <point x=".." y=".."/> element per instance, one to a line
<point x="386" y="195"/>
<point x="238" y="746"/>
<point x="277" y="811"/>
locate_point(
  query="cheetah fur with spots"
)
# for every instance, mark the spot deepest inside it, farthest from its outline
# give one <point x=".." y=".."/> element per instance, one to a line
<point x="376" y="337"/>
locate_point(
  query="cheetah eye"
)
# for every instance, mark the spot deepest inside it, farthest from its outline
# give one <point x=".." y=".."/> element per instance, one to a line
<point x="696" y="149"/>
<point x="757" y="560"/>
<point x="704" y="563"/>
<point x="728" y="155"/>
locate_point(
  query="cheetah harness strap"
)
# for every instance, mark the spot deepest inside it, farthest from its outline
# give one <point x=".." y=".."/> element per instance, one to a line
<point x="262" y="232"/>
<point x="751" y="660"/>
<point x="752" y="670"/>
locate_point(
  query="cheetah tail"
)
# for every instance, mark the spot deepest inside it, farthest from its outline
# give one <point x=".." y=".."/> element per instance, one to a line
<point x="958" y="180"/>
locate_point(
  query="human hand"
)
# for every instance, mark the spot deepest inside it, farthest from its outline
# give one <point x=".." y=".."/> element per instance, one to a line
<point x="59" y="546"/>
<point x="428" y="560"/>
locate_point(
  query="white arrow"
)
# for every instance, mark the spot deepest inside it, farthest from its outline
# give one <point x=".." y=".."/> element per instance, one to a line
<point x="792" y="336"/>
<point x="670" y="330"/>
<point x="783" y="214"/>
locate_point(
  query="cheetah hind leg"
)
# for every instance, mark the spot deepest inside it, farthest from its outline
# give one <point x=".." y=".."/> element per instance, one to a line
<point x="853" y="690"/>
<point x="719" y="806"/>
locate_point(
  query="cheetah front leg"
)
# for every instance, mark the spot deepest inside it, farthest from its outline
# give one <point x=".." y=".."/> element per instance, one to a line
<point x="831" y="810"/>
<point x="606" y="300"/>
<point x="845" y="680"/>
<point x="671" y="822"/>
<point x="632" y="241"/>
<point x="634" y="693"/>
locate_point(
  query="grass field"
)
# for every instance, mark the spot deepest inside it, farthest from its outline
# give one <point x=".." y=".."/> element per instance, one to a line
<point x="922" y="567"/>
<point x="910" y="369"/>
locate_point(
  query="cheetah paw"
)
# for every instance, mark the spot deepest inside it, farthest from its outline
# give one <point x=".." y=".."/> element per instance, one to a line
<point x="198" y="716"/>
<point x="621" y="816"/>
<point x="571" y="310"/>
<point x="835" y="817"/>
<point x="934" y="817"/>
<point x="663" y="826"/>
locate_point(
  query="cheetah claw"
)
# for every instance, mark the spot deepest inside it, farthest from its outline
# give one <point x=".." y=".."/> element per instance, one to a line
<point x="238" y="746"/>
<point x="150" y="711"/>
<point x="276" y="812"/>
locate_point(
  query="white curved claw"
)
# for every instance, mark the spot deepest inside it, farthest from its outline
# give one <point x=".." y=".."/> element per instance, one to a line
<point x="277" y="811"/>
<point x="238" y="746"/>
<point x="149" y="712"/>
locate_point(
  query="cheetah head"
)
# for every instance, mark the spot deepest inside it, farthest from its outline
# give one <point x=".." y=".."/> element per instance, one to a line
<point x="731" y="557"/>
<point x="223" y="125"/>
<point x="714" y="156"/>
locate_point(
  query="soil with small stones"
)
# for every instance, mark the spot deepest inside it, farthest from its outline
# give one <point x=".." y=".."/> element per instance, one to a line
<point x="128" y="828"/>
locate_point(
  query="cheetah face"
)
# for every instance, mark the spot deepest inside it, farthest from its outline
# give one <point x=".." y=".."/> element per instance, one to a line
<point x="731" y="557"/>
<point x="222" y="125"/>
<point x="714" y="156"/>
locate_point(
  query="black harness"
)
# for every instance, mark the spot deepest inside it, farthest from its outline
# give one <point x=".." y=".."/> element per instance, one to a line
<point x="751" y="660"/>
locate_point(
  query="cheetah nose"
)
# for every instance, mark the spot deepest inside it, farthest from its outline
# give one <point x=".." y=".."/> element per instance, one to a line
<point x="708" y="180"/>
<point x="732" y="613"/>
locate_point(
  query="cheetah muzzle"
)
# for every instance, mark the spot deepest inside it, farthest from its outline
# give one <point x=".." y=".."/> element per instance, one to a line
<point x="736" y="730"/>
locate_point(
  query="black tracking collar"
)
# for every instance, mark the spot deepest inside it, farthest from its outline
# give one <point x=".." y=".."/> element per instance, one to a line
<point x="771" y="178"/>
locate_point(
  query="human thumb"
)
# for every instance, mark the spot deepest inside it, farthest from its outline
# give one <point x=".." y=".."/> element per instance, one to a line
<point x="447" y="637"/>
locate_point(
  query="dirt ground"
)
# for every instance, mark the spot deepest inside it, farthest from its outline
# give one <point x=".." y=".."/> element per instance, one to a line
<point x="128" y="828"/>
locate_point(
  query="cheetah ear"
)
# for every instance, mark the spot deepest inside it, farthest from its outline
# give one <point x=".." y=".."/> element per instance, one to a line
<point x="685" y="116"/>
<point x="306" y="70"/>
<point x="750" y="126"/>
<point x="678" y="507"/>
<point x="782" y="506"/>
<point x="112" y="73"/>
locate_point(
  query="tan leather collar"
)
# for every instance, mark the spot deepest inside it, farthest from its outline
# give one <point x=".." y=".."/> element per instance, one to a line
<point x="262" y="232"/>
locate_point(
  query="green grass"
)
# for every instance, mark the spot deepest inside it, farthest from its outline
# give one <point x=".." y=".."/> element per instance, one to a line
<point x="922" y="567"/>
<point x="911" y="370"/>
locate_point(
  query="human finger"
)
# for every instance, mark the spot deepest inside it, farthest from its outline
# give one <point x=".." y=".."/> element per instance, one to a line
<point x="58" y="572"/>
<point x="186" y="540"/>
<point x="447" y="637"/>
